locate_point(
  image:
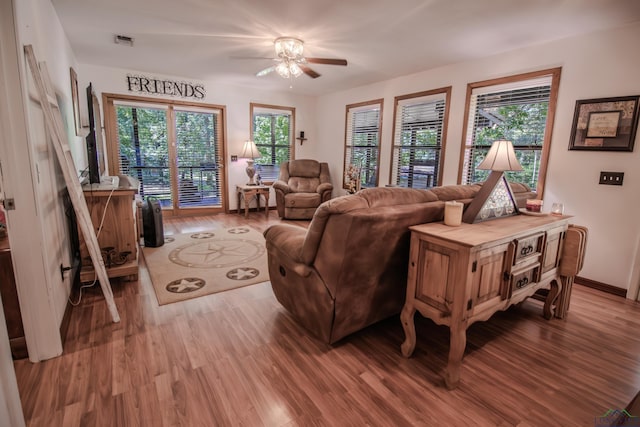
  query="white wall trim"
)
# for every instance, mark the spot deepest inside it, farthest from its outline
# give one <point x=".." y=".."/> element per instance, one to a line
<point x="10" y="407"/>
<point x="634" y="281"/>
<point x="42" y="332"/>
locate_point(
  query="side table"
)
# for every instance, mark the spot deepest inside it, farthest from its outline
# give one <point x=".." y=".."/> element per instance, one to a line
<point x="248" y="192"/>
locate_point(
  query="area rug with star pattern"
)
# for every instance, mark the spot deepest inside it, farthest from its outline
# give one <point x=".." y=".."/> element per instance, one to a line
<point x="195" y="264"/>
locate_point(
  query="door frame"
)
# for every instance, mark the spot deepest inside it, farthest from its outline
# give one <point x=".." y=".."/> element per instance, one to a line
<point x="111" y="144"/>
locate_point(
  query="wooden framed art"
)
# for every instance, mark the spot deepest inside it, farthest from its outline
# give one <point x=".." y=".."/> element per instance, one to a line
<point x="605" y="124"/>
<point x="75" y="100"/>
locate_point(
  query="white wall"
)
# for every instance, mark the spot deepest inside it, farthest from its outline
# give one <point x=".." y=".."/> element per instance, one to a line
<point x="603" y="64"/>
<point x="236" y="100"/>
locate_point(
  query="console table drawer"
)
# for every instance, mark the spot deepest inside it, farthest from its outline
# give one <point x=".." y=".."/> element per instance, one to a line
<point x="523" y="279"/>
<point x="528" y="248"/>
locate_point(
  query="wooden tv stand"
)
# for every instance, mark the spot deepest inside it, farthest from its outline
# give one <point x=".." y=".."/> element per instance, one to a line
<point x="118" y="239"/>
<point x="461" y="275"/>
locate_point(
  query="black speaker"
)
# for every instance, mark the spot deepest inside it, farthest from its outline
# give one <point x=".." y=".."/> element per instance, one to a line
<point x="152" y="223"/>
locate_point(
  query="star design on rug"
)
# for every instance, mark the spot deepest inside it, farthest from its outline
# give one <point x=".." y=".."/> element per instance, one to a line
<point x="188" y="284"/>
<point x="215" y="251"/>
<point x="238" y="230"/>
<point x="203" y="235"/>
<point x="243" y="273"/>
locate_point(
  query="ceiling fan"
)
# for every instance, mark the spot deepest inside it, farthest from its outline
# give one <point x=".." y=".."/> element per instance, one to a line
<point x="292" y="62"/>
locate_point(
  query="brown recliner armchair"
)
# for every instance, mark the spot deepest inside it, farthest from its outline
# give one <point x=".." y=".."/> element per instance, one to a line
<point x="301" y="187"/>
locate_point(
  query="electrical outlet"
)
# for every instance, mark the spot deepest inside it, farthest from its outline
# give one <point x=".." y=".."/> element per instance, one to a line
<point x="234" y="158"/>
<point x="611" y="178"/>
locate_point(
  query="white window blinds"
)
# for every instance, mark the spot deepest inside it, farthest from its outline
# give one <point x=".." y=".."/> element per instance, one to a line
<point x="362" y="141"/>
<point x="273" y="135"/>
<point x="418" y="139"/>
<point x="516" y="111"/>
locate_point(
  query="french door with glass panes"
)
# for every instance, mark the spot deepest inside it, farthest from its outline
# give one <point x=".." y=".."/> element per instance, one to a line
<point x="174" y="151"/>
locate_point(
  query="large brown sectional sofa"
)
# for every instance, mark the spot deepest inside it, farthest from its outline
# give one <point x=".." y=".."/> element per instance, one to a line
<point x="348" y="270"/>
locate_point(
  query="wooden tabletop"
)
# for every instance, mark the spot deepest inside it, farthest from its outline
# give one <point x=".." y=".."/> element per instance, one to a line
<point x="476" y="234"/>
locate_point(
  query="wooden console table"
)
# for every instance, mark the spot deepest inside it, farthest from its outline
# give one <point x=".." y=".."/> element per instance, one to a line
<point x="118" y="239"/>
<point x="248" y="192"/>
<point x="460" y="275"/>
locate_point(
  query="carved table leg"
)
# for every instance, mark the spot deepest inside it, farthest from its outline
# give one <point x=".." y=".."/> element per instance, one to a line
<point x="562" y="306"/>
<point x="457" y="344"/>
<point x="247" y="200"/>
<point x="551" y="298"/>
<point x="407" y="318"/>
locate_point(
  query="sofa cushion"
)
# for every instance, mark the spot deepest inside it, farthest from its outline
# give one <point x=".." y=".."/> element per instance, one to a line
<point x="391" y="196"/>
<point x="315" y="231"/>
<point x="518" y="187"/>
<point x="303" y="185"/>
<point x="456" y="192"/>
<point x="305" y="168"/>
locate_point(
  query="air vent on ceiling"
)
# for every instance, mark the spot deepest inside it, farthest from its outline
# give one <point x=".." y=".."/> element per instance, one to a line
<point x="124" y="40"/>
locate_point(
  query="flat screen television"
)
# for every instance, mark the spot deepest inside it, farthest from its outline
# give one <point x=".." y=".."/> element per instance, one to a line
<point x="93" y="153"/>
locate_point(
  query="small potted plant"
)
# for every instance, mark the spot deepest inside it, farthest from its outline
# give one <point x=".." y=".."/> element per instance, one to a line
<point x="352" y="179"/>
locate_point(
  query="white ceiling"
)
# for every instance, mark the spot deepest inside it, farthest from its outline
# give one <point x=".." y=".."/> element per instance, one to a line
<point x="381" y="39"/>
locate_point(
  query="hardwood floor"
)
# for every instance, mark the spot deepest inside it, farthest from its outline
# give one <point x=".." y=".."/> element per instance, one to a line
<point x="238" y="359"/>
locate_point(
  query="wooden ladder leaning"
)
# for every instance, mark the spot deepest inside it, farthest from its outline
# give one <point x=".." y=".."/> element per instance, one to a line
<point x="55" y="126"/>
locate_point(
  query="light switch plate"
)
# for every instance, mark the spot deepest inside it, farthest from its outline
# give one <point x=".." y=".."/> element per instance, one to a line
<point x="611" y="178"/>
<point x="234" y="158"/>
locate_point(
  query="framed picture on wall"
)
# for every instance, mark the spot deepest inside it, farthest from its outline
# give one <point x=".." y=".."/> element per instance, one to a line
<point x="605" y="124"/>
<point x="75" y="100"/>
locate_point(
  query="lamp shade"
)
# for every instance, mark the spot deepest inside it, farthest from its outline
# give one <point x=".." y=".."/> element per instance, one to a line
<point x="250" y="151"/>
<point x="501" y="157"/>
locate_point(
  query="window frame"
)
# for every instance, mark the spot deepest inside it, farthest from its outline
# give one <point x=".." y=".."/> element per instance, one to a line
<point x="443" y="138"/>
<point x="360" y="106"/>
<point x="554" y="73"/>
<point x="253" y="106"/>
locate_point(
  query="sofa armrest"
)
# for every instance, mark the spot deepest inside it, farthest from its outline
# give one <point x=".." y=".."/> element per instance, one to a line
<point x="282" y="186"/>
<point x="288" y="241"/>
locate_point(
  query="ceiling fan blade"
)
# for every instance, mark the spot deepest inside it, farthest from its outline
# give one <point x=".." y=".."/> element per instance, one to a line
<point x="265" y="71"/>
<point x="308" y="71"/>
<point x="328" y="61"/>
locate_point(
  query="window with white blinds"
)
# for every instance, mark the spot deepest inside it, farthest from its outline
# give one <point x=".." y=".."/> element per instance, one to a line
<point x="143" y="148"/>
<point x="175" y="151"/>
<point x="519" y="109"/>
<point x="420" y="121"/>
<point x="198" y="152"/>
<point x="272" y="131"/>
<point x="362" y="141"/>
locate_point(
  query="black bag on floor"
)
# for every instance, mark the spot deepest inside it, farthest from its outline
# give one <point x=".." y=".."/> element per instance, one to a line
<point x="152" y="223"/>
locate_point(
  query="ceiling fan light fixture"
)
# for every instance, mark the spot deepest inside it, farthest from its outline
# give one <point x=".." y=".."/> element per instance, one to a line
<point x="290" y="61"/>
<point x="295" y="69"/>
<point x="283" y="70"/>
<point x="288" y="69"/>
<point x="289" y="47"/>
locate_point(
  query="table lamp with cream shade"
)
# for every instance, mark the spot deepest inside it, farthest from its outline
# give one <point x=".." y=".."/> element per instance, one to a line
<point x="250" y="152"/>
<point x="495" y="199"/>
